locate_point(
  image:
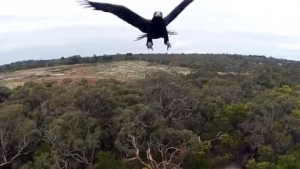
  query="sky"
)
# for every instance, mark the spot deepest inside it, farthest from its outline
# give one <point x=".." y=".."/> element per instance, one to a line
<point x="46" y="29"/>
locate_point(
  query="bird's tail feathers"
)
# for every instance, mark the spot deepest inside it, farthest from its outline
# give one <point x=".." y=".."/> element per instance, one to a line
<point x="145" y="35"/>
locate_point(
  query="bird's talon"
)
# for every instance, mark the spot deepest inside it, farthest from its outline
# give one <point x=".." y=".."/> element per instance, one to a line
<point x="168" y="45"/>
<point x="149" y="45"/>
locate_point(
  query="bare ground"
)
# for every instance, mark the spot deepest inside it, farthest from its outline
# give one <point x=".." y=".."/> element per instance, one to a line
<point x="121" y="70"/>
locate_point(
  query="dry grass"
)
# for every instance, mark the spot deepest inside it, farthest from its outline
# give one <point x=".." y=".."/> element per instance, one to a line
<point x="128" y="70"/>
<point x="233" y="73"/>
<point x="121" y="70"/>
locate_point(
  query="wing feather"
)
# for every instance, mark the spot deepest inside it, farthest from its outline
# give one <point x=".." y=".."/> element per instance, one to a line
<point x="122" y="12"/>
<point x="176" y="11"/>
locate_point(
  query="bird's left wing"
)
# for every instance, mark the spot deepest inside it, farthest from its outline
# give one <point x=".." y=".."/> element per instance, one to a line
<point x="176" y="11"/>
<point x="122" y="12"/>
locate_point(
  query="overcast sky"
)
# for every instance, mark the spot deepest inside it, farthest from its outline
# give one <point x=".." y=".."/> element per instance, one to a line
<point x="43" y="29"/>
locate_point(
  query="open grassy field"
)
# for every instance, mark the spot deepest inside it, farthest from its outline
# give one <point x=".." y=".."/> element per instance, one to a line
<point x="121" y="70"/>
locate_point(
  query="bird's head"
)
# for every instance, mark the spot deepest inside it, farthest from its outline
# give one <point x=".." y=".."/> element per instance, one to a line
<point x="158" y="14"/>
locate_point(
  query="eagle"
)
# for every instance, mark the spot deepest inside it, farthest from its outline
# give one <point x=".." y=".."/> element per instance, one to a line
<point x="154" y="28"/>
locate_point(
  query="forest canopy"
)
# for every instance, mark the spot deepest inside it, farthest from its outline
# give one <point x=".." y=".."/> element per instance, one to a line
<point x="230" y="110"/>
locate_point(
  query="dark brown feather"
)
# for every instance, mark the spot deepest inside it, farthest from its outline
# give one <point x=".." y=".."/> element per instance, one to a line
<point x="176" y="11"/>
<point x="122" y="12"/>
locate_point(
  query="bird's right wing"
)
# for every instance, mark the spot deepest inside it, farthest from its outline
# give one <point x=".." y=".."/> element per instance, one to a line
<point x="122" y="12"/>
<point x="176" y="11"/>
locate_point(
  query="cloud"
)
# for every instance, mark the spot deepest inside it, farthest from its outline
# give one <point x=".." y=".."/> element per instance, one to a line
<point x="54" y="28"/>
<point x="290" y="46"/>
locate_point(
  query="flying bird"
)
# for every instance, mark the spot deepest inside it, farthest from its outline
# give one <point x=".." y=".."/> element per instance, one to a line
<point x="154" y="29"/>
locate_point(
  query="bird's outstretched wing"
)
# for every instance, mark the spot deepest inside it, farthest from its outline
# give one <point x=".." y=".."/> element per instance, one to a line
<point x="122" y="12"/>
<point x="176" y="11"/>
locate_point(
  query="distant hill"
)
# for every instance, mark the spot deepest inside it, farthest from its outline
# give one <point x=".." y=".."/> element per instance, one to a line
<point x="282" y="70"/>
<point x="232" y="62"/>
